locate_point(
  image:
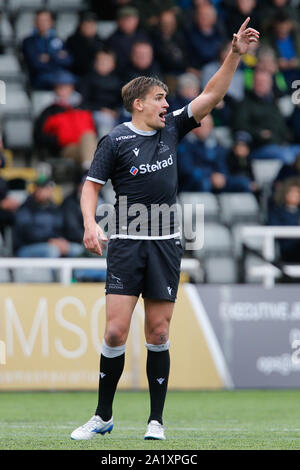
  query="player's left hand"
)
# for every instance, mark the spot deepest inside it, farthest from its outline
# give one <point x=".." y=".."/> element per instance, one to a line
<point x="243" y="38"/>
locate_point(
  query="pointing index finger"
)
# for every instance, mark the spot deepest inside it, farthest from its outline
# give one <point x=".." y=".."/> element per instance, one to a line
<point x="244" y="25"/>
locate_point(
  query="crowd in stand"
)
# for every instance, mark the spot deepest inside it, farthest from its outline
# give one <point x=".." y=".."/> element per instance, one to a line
<point x="183" y="42"/>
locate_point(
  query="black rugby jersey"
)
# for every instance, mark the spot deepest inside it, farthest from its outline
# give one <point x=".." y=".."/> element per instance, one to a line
<point x="142" y="166"/>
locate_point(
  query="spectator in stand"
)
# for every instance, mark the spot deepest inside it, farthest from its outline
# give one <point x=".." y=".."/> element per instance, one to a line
<point x="65" y="129"/>
<point x="8" y="205"/>
<point x="271" y="8"/>
<point x="284" y="38"/>
<point x="286" y="211"/>
<point x="188" y="87"/>
<point x="294" y="120"/>
<point x="128" y="32"/>
<point x="204" y="37"/>
<point x="239" y="162"/>
<point x="202" y="163"/>
<point x="149" y="10"/>
<point x="236" y="88"/>
<point x="108" y="10"/>
<point x="286" y="172"/>
<point x="73" y="228"/>
<point x="101" y="92"/>
<point x="238" y="12"/>
<point x="259" y="115"/>
<point x="84" y="44"/>
<point x="169" y="45"/>
<point x="142" y="62"/>
<point x="266" y="61"/>
<point x="44" y="53"/>
<point x="222" y="113"/>
<point x="38" y="230"/>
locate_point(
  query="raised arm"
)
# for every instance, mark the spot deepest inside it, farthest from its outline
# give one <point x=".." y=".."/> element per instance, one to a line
<point x="94" y="238"/>
<point x="218" y="85"/>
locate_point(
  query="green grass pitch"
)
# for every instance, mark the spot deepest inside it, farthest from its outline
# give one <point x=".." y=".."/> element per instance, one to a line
<point x="250" y="419"/>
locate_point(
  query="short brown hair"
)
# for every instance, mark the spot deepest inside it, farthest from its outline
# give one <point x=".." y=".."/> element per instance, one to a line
<point x="138" y="88"/>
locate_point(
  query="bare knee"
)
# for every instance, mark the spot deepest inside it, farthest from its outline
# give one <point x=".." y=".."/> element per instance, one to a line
<point x="158" y="333"/>
<point x="115" y="336"/>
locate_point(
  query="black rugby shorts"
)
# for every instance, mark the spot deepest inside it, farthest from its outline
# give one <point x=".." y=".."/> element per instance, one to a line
<point x="147" y="267"/>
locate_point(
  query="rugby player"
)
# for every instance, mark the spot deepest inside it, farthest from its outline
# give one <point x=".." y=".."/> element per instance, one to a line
<point x="140" y="159"/>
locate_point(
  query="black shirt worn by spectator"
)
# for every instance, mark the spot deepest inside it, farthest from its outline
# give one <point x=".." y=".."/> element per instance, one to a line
<point x="83" y="50"/>
<point x="73" y="229"/>
<point x="101" y="91"/>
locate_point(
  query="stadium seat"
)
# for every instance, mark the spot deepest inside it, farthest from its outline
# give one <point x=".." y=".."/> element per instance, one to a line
<point x="24" y="25"/>
<point x="66" y="24"/>
<point x="17" y="103"/>
<point x="254" y="242"/>
<point x="9" y="67"/>
<point x="216" y="241"/>
<point x="106" y="28"/>
<point x="209" y="200"/>
<point x="40" y="100"/>
<point x="7" y="33"/>
<point x="15" y="5"/>
<point x="4" y="275"/>
<point x="33" y="275"/>
<point x="250" y="261"/>
<point x="238" y="207"/>
<point x="18" y="133"/>
<point x="65" y="4"/>
<point x="265" y="171"/>
<point x="220" y="270"/>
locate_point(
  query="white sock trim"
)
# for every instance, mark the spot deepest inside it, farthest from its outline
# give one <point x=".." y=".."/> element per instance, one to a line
<point x="158" y="347"/>
<point x="112" y="352"/>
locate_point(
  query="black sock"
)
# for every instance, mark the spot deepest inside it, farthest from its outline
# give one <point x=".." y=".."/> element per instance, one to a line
<point x="110" y="372"/>
<point x="158" y="367"/>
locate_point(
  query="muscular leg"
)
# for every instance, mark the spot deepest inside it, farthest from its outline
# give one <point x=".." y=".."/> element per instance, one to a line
<point x="119" y="309"/>
<point x="158" y="314"/>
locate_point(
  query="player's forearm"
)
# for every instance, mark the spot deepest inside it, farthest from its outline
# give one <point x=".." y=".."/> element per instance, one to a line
<point x="88" y="202"/>
<point x="218" y="85"/>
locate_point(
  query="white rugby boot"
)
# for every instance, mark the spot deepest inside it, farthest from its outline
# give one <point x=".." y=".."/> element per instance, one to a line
<point x="94" y="426"/>
<point x="155" y="431"/>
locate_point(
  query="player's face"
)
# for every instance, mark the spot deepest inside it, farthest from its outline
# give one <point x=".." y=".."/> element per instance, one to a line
<point x="155" y="108"/>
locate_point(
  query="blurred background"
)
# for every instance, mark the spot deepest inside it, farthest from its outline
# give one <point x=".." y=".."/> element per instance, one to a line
<point x="62" y="66"/>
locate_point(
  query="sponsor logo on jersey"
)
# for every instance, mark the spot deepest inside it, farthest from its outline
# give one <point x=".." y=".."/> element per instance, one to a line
<point x="147" y="168"/>
<point x="150" y="168"/>
<point x="125" y="137"/>
<point x="169" y="290"/>
<point x="136" y="151"/>
<point x="134" y="170"/>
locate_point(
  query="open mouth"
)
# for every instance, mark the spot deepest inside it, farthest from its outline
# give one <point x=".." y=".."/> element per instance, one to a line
<point x="162" y="116"/>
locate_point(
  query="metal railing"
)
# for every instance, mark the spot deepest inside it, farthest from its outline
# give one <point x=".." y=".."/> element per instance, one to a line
<point x="66" y="265"/>
<point x="268" y="272"/>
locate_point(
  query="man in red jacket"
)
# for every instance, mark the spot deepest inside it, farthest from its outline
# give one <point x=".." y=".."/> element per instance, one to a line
<point x="64" y="128"/>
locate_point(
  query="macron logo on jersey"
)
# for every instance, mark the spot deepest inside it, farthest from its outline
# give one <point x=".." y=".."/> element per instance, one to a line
<point x="136" y="151"/>
<point x="134" y="170"/>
